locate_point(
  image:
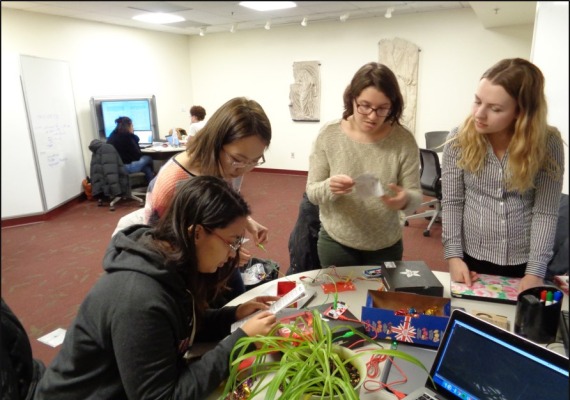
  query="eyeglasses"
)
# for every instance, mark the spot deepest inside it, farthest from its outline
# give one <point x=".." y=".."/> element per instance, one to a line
<point x="235" y="163"/>
<point x="366" y="110"/>
<point x="235" y="246"/>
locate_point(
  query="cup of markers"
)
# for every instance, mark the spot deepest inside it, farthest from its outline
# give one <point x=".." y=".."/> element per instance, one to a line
<point x="538" y="313"/>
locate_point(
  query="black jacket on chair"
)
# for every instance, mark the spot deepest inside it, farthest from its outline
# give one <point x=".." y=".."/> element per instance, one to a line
<point x="109" y="178"/>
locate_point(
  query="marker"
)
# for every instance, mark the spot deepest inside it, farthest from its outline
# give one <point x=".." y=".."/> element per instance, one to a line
<point x="557" y="297"/>
<point x="548" y="299"/>
<point x="543" y="296"/>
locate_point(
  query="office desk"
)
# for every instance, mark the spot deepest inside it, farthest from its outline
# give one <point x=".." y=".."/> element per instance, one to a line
<point x="357" y="298"/>
<point x="161" y="154"/>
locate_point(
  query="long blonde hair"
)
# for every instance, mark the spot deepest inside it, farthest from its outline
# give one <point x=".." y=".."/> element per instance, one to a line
<point x="528" y="148"/>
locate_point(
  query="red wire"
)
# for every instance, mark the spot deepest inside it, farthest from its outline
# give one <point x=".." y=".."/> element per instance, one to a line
<point x="373" y="365"/>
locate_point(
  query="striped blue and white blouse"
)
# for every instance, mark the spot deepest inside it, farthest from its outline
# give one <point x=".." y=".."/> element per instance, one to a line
<point x="483" y="219"/>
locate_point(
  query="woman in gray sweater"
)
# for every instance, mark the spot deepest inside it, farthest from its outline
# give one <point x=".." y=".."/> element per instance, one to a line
<point x="360" y="223"/>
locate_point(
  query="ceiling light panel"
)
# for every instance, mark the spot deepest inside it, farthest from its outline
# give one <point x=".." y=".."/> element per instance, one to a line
<point x="267" y="5"/>
<point x="158" y="18"/>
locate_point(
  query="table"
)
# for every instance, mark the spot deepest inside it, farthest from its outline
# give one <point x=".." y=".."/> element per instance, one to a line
<point x="356" y="299"/>
<point x="160" y="154"/>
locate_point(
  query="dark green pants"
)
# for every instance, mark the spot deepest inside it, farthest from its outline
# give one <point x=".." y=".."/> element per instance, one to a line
<point x="333" y="253"/>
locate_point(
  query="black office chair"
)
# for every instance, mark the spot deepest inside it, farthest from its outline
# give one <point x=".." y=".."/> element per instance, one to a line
<point x="430" y="181"/>
<point x="435" y="139"/>
<point x="110" y="179"/>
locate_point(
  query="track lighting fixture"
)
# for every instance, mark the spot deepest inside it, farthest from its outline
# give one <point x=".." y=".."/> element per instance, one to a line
<point x="344" y="17"/>
<point x="389" y="13"/>
<point x="304" y="22"/>
<point x="268" y="25"/>
<point x="203" y="31"/>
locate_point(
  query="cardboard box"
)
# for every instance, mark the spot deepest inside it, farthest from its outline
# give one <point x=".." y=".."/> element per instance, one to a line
<point x="387" y="316"/>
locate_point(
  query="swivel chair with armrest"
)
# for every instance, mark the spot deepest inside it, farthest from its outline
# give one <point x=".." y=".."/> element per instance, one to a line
<point x="109" y="177"/>
<point x="435" y="140"/>
<point x="430" y="181"/>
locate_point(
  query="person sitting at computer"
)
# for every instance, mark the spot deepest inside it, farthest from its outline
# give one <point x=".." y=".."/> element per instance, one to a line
<point x="197" y="115"/>
<point x="123" y="138"/>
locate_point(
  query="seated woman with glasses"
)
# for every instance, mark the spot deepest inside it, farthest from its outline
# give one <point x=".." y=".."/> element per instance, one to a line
<point x="135" y="333"/>
<point x="361" y="227"/>
<point x="230" y="144"/>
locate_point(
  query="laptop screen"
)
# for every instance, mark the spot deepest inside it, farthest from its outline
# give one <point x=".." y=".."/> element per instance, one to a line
<point x="481" y="361"/>
<point x="145" y="137"/>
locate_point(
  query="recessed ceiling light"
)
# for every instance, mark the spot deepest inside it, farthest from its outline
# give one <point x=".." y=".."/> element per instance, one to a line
<point x="158" y="18"/>
<point x="267" y="5"/>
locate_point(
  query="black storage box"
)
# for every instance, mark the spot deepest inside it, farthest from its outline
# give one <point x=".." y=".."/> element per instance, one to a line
<point x="411" y="277"/>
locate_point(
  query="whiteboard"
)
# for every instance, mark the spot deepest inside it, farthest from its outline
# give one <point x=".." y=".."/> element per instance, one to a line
<point x="50" y="107"/>
<point x="550" y="53"/>
<point x="20" y="190"/>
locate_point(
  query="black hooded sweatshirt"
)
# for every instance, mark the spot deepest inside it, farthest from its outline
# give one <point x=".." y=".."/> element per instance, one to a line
<point x="131" y="332"/>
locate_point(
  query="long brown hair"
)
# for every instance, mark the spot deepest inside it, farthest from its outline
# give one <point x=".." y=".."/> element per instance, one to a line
<point x="236" y="119"/>
<point x="206" y="201"/>
<point x="528" y="150"/>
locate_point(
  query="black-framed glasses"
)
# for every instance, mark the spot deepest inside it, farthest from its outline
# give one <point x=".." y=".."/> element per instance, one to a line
<point x="366" y="110"/>
<point x="234" y="246"/>
<point x="235" y="163"/>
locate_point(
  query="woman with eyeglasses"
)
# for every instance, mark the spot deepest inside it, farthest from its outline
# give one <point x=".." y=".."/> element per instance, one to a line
<point x="360" y="223"/>
<point x="230" y="144"/>
<point x="134" y="334"/>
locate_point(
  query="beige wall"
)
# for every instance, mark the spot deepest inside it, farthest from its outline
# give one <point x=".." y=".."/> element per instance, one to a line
<point x="181" y="71"/>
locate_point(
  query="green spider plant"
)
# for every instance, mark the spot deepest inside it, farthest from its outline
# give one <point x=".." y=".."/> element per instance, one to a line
<point x="310" y="364"/>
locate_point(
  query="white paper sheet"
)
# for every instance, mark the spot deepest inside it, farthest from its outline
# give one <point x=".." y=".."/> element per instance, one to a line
<point x="367" y="185"/>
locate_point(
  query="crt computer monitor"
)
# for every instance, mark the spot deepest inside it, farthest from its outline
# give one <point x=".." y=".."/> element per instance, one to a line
<point x="137" y="110"/>
<point x="142" y="111"/>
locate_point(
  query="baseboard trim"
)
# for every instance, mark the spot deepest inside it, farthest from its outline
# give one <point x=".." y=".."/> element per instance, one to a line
<point x="35" y="219"/>
<point x="281" y="171"/>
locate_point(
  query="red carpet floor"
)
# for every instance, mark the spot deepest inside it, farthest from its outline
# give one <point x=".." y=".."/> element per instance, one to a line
<point x="48" y="267"/>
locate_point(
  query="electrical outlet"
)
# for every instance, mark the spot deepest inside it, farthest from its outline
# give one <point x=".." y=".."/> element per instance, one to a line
<point x="292" y="155"/>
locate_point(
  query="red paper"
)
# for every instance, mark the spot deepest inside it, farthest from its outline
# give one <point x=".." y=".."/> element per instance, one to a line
<point x="338" y="287"/>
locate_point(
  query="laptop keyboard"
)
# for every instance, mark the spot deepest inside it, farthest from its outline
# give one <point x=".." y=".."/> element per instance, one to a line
<point x="425" y="396"/>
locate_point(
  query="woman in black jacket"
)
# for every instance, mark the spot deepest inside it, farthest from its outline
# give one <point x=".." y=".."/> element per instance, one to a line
<point x="134" y="332"/>
<point x="123" y="138"/>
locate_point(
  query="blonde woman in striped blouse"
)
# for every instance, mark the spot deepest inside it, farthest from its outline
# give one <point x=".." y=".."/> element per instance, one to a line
<point x="502" y="179"/>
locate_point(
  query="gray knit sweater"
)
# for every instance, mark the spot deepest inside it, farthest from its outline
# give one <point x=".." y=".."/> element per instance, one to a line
<point x="363" y="223"/>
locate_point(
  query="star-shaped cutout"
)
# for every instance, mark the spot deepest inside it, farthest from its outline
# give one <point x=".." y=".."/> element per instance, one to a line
<point x="409" y="273"/>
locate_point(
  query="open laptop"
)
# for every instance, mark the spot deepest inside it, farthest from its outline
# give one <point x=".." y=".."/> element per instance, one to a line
<point x="145" y="139"/>
<point x="493" y="288"/>
<point x="478" y="360"/>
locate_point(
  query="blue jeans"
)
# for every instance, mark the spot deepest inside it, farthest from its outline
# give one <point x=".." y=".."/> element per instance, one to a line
<point x="144" y="164"/>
